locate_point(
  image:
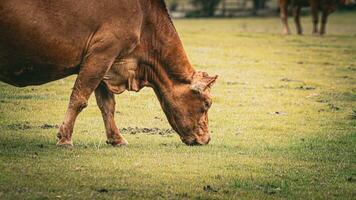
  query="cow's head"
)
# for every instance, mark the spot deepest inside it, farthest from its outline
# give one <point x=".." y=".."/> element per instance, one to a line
<point x="188" y="111"/>
<point x="185" y="104"/>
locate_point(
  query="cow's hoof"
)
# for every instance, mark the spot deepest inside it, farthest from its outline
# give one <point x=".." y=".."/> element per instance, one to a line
<point x="65" y="143"/>
<point x="117" y="143"/>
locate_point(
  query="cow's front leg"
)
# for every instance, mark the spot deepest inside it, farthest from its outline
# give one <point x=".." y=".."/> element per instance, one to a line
<point x="296" y="14"/>
<point x="101" y="52"/>
<point x="324" y="20"/>
<point x="284" y="16"/>
<point x="87" y="80"/>
<point x="315" y="18"/>
<point x="106" y="102"/>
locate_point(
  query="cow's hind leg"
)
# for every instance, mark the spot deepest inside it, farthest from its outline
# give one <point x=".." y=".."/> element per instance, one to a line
<point x="103" y="48"/>
<point x="284" y="16"/>
<point x="106" y="102"/>
<point x="296" y="14"/>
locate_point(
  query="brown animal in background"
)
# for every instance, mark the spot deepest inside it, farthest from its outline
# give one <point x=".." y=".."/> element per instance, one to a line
<point x="324" y="6"/>
<point x="113" y="46"/>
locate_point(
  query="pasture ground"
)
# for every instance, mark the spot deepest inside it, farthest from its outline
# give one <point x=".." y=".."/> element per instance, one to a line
<point x="283" y="123"/>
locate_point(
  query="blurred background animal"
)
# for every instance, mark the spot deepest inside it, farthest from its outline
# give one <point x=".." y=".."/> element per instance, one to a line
<point x="325" y="7"/>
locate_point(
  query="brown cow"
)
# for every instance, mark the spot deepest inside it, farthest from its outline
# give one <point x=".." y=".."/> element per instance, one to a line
<point x="113" y="46"/>
<point x="324" y="6"/>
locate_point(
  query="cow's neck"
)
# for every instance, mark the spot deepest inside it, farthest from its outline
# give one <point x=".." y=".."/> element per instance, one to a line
<point x="163" y="63"/>
<point x="161" y="46"/>
<point x="165" y="89"/>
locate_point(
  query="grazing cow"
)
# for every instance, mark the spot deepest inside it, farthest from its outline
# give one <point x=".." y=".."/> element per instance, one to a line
<point x="324" y="6"/>
<point x="113" y="46"/>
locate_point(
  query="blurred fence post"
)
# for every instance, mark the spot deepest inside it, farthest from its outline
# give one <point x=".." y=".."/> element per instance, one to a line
<point x="223" y="8"/>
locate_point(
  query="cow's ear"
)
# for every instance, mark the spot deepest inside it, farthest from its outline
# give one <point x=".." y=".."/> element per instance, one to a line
<point x="202" y="81"/>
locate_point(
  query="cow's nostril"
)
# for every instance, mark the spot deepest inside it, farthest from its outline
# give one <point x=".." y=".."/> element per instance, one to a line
<point x="193" y="143"/>
<point x="188" y="142"/>
<point x="197" y="141"/>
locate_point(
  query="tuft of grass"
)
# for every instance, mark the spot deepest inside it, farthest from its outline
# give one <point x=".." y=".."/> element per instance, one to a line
<point x="280" y="124"/>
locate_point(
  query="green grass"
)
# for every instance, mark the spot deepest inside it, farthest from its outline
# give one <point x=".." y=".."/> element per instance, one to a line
<point x="283" y="124"/>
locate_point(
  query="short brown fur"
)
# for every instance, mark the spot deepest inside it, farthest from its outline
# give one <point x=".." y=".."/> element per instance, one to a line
<point x="113" y="46"/>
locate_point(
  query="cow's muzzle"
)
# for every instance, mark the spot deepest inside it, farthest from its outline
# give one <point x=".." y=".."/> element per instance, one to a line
<point x="197" y="141"/>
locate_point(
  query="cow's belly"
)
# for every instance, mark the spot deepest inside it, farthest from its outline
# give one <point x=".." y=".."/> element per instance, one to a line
<point x="21" y="71"/>
<point x="36" y="61"/>
<point x="36" y="49"/>
<point x="35" y="75"/>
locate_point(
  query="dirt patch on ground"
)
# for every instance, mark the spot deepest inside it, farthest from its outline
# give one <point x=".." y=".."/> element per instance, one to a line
<point x="151" y="131"/>
<point x="305" y="87"/>
<point x="235" y="83"/>
<point x="27" y="125"/>
<point x="20" y="126"/>
<point x="291" y="80"/>
<point x="49" y="126"/>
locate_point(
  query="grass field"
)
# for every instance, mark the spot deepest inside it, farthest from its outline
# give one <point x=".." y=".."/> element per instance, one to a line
<point x="283" y="124"/>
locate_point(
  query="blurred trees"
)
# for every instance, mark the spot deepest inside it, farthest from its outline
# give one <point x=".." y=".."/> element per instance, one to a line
<point x="206" y="7"/>
<point x="210" y="8"/>
<point x="173" y="5"/>
<point x="257" y="5"/>
<point x="227" y="8"/>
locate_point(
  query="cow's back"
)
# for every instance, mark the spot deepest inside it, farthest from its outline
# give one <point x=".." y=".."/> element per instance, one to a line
<point x="41" y="41"/>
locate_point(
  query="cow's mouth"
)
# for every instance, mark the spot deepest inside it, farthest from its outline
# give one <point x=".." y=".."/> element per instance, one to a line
<point x="197" y="139"/>
<point x="197" y="142"/>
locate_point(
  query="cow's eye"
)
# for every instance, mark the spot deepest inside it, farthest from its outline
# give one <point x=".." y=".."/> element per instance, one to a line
<point x="207" y="104"/>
